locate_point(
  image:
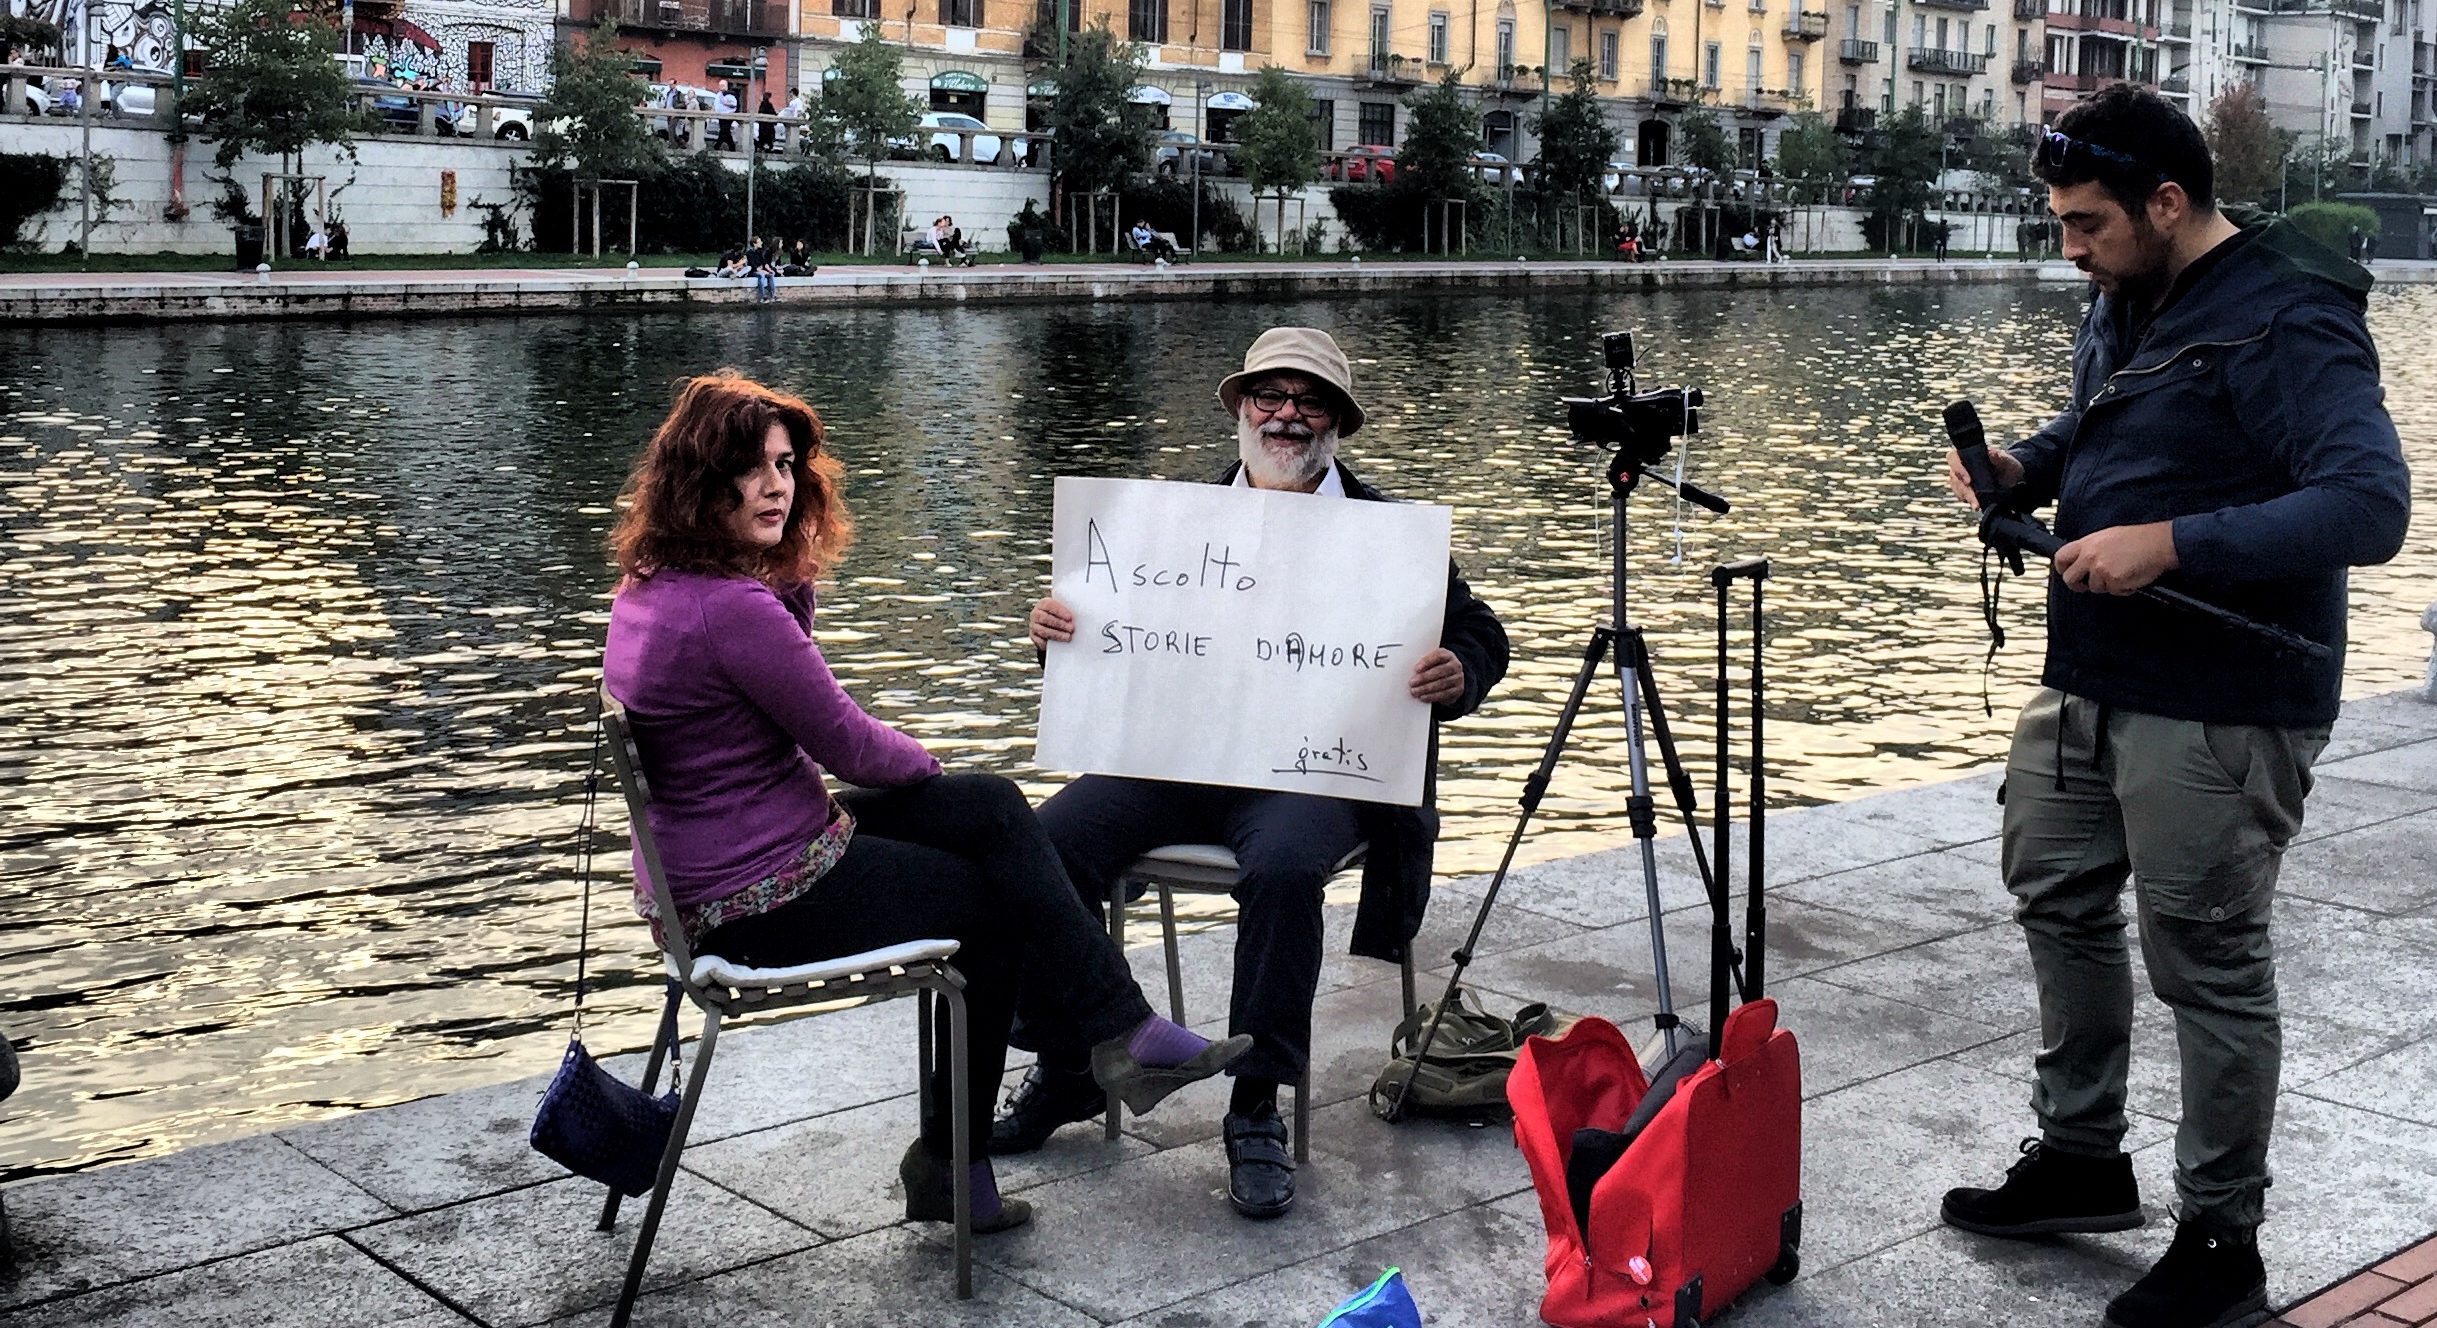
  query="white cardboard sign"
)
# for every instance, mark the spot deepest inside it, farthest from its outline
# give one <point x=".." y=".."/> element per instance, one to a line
<point x="1243" y="637"/>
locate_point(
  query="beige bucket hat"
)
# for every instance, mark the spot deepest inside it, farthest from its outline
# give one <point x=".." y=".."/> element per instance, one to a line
<point x="1304" y="350"/>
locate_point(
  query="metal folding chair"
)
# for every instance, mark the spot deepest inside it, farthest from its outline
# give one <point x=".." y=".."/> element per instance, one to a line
<point x="721" y="990"/>
<point x="1210" y="869"/>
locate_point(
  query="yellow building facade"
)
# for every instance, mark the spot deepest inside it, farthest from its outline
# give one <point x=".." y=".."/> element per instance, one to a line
<point x="1755" y="61"/>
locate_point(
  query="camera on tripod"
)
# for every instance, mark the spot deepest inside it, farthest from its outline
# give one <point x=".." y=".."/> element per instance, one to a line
<point x="1642" y="427"/>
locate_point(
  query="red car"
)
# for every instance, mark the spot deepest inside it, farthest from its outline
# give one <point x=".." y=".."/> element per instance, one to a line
<point x="1368" y="162"/>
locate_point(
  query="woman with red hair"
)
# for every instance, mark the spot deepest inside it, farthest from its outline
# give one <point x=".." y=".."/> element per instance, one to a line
<point x="732" y="512"/>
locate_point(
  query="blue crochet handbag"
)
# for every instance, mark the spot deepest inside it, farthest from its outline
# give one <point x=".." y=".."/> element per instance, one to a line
<point x="591" y="1122"/>
<point x="1383" y="1304"/>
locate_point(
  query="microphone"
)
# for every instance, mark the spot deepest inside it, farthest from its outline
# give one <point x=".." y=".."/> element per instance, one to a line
<point x="1963" y="430"/>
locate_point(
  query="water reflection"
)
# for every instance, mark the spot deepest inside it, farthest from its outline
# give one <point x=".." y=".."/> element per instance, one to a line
<point x="299" y="621"/>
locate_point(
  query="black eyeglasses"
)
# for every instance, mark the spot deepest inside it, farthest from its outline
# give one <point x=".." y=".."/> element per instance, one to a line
<point x="1271" y="401"/>
<point x="2058" y="152"/>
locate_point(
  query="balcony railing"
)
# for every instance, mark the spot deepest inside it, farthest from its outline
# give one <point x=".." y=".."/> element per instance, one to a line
<point x="1808" y="25"/>
<point x="2029" y="71"/>
<point x="2179" y="30"/>
<point x="2365" y="59"/>
<point x="1965" y="5"/>
<point x="1855" y="52"/>
<point x="1604" y="8"/>
<point x="725" y="18"/>
<point x="2175" y="84"/>
<point x="2251" y="52"/>
<point x="2027" y="10"/>
<point x="1856" y="119"/>
<point x="1390" y="71"/>
<point x="2367" y="10"/>
<point x="2360" y="110"/>
<point x="1931" y="60"/>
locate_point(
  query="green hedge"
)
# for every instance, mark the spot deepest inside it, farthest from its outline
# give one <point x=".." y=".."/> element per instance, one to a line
<point x="697" y="206"/>
<point x="2332" y="224"/>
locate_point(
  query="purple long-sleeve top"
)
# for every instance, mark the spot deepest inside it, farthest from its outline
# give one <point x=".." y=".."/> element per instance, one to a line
<point x="736" y="715"/>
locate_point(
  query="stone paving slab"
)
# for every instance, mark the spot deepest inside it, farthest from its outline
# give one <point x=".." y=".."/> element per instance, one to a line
<point x="1893" y="953"/>
<point x="99" y="1228"/>
<point x="531" y="1255"/>
<point x="323" y="1282"/>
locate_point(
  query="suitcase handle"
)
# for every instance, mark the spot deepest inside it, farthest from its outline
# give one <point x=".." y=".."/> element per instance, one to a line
<point x="1747" y="966"/>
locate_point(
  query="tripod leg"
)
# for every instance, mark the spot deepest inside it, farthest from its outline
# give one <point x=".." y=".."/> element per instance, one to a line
<point x="1535" y="787"/>
<point x="1679" y="779"/>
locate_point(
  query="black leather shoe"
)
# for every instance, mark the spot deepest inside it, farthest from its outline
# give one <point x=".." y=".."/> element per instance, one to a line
<point x="1260" y="1172"/>
<point x="2211" y="1277"/>
<point x="2049" y="1192"/>
<point x="1047" y="1099"/>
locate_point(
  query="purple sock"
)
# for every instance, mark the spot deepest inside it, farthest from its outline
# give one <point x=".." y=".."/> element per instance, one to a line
<point x="1156" y="1041"/>
<point x="985" y="1192"/>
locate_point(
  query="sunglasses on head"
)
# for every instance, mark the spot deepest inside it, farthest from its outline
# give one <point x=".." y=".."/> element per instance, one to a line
<point x="2063" y="152"/>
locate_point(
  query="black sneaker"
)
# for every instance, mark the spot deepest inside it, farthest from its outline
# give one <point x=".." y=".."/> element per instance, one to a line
<point x="1260" y="1172"/>
<point x="2211" y="1277"/>
<point x="2049" y="1192"/>
<point x="1047" y="1099"/>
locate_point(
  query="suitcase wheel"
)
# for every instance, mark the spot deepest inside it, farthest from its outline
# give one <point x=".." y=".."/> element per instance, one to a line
<point x="1789" y="1262"/>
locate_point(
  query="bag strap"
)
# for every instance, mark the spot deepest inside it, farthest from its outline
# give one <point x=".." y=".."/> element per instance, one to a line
<point x="583" y="857"/>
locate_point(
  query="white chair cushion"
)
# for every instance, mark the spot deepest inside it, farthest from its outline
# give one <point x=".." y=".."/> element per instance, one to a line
<point x="1219" y="858"/>
<point x="713" y="971"/>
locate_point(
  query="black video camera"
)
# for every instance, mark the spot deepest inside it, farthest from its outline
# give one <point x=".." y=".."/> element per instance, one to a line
<point x="1639" y="427"/>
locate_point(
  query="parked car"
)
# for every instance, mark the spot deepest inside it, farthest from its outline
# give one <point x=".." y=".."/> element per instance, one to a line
<point x="1368" y="161"/>
<point x="37" y="97"/>
<point x="1171" y="156"/>
<point x="950" y="146"/>
<point x="131" y="98"/>
<point x="1496" y="169"/>
<point x="1615" y="178"/>
<point x="397" y="112"/>
<point x="514" y="123"/>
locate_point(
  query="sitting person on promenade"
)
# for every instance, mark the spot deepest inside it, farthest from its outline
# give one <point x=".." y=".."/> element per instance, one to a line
<point x="731" y="264"/>
<point x="761" y="263"/>
<point x="338" y="240"/>
<point x="799" y="260"/>
<point x="1292" y="401"/>
<point x="952" y="243"/>
<point x="735" y="510"/>
<point x="1149" y="243"/>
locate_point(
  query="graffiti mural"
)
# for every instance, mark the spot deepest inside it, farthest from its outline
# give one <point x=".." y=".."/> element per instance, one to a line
<point x="518" y="32"/>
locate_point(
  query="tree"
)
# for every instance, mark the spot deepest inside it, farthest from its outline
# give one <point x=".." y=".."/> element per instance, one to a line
<point x="1576" y="140"/>
<point x="2312" y="172"/>
<point x="1098" y="145"/>
<point x="1705" y="142"/>
<point x="1905" y="159"/>
<point x="1996" y="155"/>
<point x="587" y="123"/>
<point x="865" y="99"/>
<point x="1277" y="145"/>
<point x="273" y="90"/>
<point x="2249" y="151"/>
<point x="1441" y="129"/>
<point x="1811" y="150"/>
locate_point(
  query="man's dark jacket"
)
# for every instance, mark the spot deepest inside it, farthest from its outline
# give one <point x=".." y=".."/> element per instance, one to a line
<point x="2249" y="414"/>
<point x="1396" y="875"/>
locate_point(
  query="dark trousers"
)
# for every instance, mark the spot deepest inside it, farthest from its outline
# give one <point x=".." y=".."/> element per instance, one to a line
<point x="959" y="857"/>
<point x="1285" y="844"/>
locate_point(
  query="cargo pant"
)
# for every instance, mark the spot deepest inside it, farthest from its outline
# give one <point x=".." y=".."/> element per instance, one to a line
<point x="2198" y="815"/>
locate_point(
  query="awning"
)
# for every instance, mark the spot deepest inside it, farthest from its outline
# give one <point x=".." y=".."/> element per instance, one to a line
<point x="1146" y="95"/>
<point x="1041" y="89"/>
<point x="395" y="29"/>
<point x="1231" y="101"/>
<point x="959" y="80"/>
<point x="646" y="65"/>
<point x="735" y="66"/>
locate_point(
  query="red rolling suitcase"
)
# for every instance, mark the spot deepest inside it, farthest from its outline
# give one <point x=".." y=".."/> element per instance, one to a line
<point x="1666" y="1201"/>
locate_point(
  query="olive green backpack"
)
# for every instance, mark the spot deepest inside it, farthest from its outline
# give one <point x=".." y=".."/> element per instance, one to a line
<point x="1464" y="1075"/>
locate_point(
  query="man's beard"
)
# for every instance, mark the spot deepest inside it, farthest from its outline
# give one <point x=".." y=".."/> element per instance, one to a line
<point x="2143" y="284"/>
<point x="1280" y="455"/>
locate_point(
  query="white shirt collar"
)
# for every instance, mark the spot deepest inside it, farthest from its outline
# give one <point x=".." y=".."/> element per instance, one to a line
<point x="1331" y="485"/>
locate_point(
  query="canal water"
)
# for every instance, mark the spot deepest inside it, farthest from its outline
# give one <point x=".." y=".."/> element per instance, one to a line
<point x="299" y="622"/>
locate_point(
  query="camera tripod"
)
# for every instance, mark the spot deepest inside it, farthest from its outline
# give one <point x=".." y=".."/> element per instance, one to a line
<point x="1622" y="643"/>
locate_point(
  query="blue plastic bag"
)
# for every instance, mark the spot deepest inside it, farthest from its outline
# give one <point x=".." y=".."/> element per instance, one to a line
<point x="1383" y="1304"/>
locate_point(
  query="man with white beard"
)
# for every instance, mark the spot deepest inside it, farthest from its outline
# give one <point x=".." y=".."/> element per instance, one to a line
<point x="1292" y="401"/>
